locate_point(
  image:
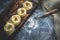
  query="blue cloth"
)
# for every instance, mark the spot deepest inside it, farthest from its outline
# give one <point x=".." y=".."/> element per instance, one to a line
<point x="4" y="4"/>
<point x="37" y="29"/>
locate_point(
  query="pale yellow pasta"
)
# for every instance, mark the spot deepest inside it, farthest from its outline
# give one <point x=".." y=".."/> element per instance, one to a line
<point x="27" y="5"/>
<point x="22" y="12"/>
<point x="9" y="28"/>
<point x="15" y="19"/>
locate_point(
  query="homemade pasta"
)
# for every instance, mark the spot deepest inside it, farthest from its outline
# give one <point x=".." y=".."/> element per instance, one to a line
<point x="27" y="5"/>
<point x="15" y="19"/>
<point x="21" y="12"/>
<point x="9" y="28"/>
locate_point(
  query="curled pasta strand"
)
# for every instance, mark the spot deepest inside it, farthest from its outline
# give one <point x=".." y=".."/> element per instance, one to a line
<point x="27" y="5"/>
<point x="9" y="28"/>
<point x="22" y="12"/>
<point x="15" y="19"/>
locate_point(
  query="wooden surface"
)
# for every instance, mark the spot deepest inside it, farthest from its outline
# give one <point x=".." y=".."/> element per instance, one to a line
<point x="12" y="11"/>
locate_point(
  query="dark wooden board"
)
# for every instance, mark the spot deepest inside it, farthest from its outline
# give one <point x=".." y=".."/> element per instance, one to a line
<point x="12" y="11"/>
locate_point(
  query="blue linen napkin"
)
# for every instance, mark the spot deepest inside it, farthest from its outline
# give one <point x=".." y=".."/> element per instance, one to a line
<point x="37" y="29"/>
